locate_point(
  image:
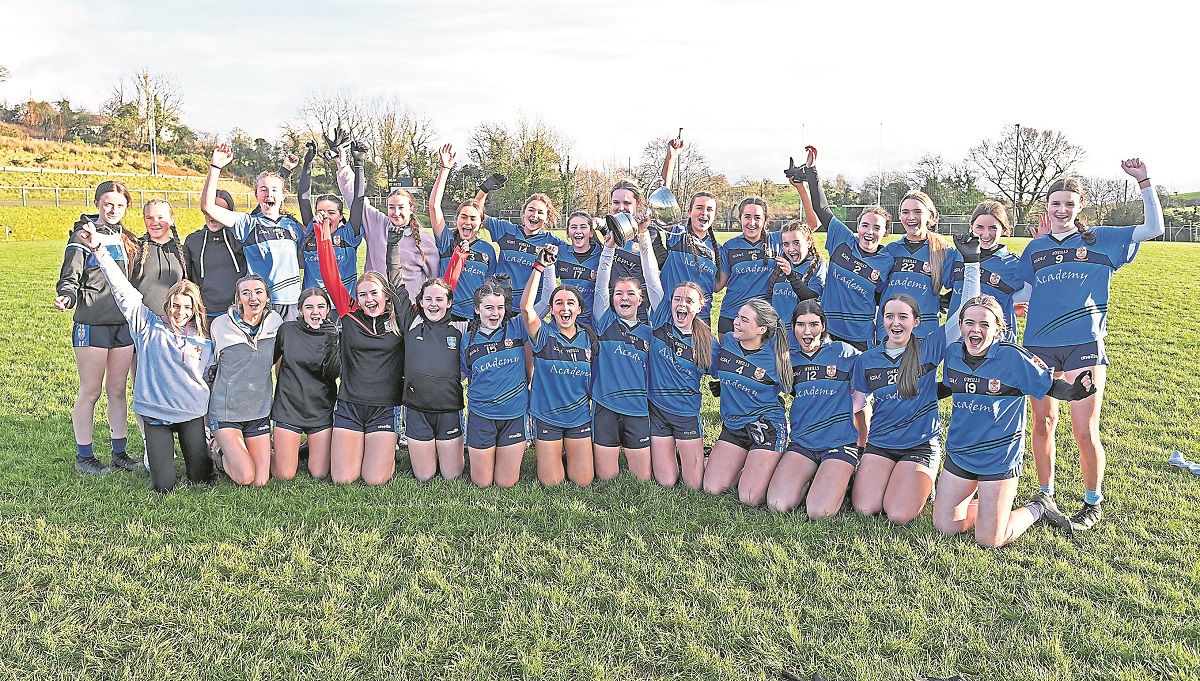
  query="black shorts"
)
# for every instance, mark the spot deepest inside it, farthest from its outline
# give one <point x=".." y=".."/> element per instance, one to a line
<point x="106" y="336"/>
<point x="251" y="428"/>
<point x="959" y="472"/>
<point x="926" y="454"/>
<point x="364" y="418"/>
<point x="724" y="325"/>
<point x="485" y="433"/>
<point x="610" y="429"/>
<point x="861" y="346"/>
<point x="552" y="433"/>
<point x="757" y="435"/>
<point x="303" y="430"/>
<point x="424" y="426"/>
<point x="1070" y="357"/>
<point x="666" y="424"/>
<point x="847" y="453"/>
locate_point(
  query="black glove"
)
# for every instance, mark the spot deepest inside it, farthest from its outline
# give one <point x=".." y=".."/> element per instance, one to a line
<point x="968" y="246"/>
<point x="545" y="258"/>
<point x="310" y="152"/>
<point x="714" y="387"/>
<point x="210" y="374"/>
<point x="493" y="182"/>
<point x="1082" y="388"/>
<point x="358" y="152"/>
<point x="340" y="137"/>
<point x="795" y="173"/>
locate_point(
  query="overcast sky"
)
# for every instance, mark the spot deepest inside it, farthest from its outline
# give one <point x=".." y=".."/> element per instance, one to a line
<point x="749" y="82"/>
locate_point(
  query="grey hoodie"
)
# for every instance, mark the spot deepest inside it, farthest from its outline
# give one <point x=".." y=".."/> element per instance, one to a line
<point x="242" y="390"/>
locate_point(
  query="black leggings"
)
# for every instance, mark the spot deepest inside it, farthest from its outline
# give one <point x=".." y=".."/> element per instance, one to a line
<point x="160" y="450"/>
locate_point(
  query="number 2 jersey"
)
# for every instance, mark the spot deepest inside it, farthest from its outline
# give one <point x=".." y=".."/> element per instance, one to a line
<point x="851" y="282"/>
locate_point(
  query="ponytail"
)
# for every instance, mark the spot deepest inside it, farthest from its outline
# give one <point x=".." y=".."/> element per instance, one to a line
<point x="702" y="336"/>
<point x="767" y="316"/>
<point x="937" y="260"/>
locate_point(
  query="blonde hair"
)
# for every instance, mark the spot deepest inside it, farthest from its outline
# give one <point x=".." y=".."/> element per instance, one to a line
<point x="552" y="214"/>
<point x="145" y="238"/>
<point x="183" y="287"/>
<point x="990" y="304"/>
<point x="765" y="315"/>
<point x="937" y="245"/>
<point x="414" y="224"/>
<point x="390" y="308"/>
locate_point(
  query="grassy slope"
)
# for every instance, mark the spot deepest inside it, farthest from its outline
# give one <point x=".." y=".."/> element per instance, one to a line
<point x="102" y="578"/>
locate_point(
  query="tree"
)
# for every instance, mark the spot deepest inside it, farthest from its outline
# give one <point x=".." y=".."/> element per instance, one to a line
<point x="1021" y="164"/>
<point x="692" y="173"/>
<point x="533" y="156"/>
<point x="144" y="110"/>
<point x="3" y="73"/>
<point x="1103" y="195"/>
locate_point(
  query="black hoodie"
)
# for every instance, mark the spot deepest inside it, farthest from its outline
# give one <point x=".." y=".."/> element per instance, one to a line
<point x="214" y="263"/>
<point x="81" y="279"/>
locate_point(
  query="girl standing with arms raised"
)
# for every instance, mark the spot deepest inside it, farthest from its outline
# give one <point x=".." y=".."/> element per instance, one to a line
<point x="479" y="255"/>
<point x="1071" y="270"/>
<point x="101" y="338"/>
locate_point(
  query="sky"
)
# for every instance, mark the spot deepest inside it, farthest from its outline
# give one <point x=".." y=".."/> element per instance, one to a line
<point x="871" y="84"/>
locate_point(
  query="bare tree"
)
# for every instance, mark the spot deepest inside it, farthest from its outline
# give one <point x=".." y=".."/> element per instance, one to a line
<point x="1022" y="162"/>
<point x="692" y="173"/>
<point x="143" y="108"/>
<point x="1103" y="194"/>
<point x="4" y="74"/>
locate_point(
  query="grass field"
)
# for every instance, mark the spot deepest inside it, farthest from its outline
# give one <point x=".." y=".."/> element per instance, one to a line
<point x="102" y="578"/>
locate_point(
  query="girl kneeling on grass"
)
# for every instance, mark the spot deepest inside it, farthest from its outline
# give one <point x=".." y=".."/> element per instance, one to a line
<point x="823" y="449"/>
<point x="433" y="393"/>
<point x="621" y="417"/>
<point x="559" y="395"/>
<point x="755" y="372"/>
<point x="493" y="361"/>
<point x="169" y="393"/>
<point x="240" y="408"/>
<point x="308" y="361"/>
<point x="903" y="450"/>
<point x="986" y="440"/>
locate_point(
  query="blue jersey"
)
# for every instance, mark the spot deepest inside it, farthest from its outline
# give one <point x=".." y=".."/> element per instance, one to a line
<point x="912" y="275"/>
<point x="683" y="265"/>
<point x="750" y="388"/>
<point x="481" y="262"/>
<point x="822" y="415"/>
<point x="579" y="270"/>
<point x="621" y="371"/>
<point x="999" y="278"/>
<point x="272" y="252"/>
<point x="518" y="251"/>
<point x="345" y="246"/>
<point x="853" y="280"/>
<point x="749" y="269"/>
<point x="987" y="424"/>
<point x="562" y="377"/>
<point x="784" y="298"/>
<point x="626" y="263"/>
<point x="674" y="376"/>
<point x="494" y="365"/>
<point x="898" y="422"/>
<point x="1069" y="303"/>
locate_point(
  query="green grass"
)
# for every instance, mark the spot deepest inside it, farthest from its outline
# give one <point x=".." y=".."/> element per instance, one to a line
<point x="101" y="578"/>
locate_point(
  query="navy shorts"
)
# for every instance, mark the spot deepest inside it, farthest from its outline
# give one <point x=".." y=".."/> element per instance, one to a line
<point x="107" y="336"/>
<point x="552" y="433"/>
<point x="724" y="325"/>
<point x="1070" y="357"/>
<point x="424" y="426"/>
<point x="847" y="453"/>
<point x="485" y="433"/>
<point x="959" y="472"/>
<point x="289" y="313"/>
<point x="666" y="424"/>
<point x="926" y="454"/>
<point x="251" y="428"/>
<point x="757" y="435"/>
<point x="861" y="346"/>
<point x="303" y="430"/>
<point x="610" y="429"/>
<point x="363" y="418"/>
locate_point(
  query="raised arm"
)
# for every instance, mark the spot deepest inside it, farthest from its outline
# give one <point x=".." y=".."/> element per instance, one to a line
<point x="491" y="183"/>
<point x="533" y="321"/>
<point x="548" y="283"/>
<point x="128" y="298"/>
<point x="221" y="157"/>
<point x="654" y="289"/>
<point x="968" y="246"/>
<point x="358" y="204"/>
<point x="600" y="300"/>
<point x="437" y="220"/>
<point x="304" y="190"/>
<point x="327" y="259"/>
<point x="674" y="147"/>
<point x="1153" y="227"/>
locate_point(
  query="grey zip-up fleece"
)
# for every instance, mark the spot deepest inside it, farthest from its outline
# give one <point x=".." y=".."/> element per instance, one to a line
<point x="242" y="390"/>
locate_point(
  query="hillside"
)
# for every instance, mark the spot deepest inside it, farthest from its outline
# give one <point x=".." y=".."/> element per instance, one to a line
<point x="16" y="150"/>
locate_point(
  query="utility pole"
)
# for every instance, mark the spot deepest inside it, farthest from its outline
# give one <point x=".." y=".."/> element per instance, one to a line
<point x="1017" y="175"/>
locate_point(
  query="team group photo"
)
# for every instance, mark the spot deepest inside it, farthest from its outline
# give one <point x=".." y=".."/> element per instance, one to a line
<point x="397" y="393"/>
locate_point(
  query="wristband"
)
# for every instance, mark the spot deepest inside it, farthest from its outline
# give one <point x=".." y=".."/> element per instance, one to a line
<point x="1145" y="180"/>
<point x="538" y="267"/>
<point x="214" y="165"/>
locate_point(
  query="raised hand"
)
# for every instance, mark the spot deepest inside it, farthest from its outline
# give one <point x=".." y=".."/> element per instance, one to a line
<point x="310" y="152"/>
<point x="674" y="146"/>
<point x="1135" y="169"/>
<point x="795" y="174"/>
<point x="494" y="182"/>
<point x="1043" y="226"/>
<point x="547" y="255"/>
<point x="358" y="152"/>
<point x="290" y="161"/>
<point x="222" y="155"/>
<point x="968" y="246"/>
<point x="446" y="155"/>
<point x="811" y="161"/>
<point x="783" y="264"/>
<point x="88" y="236"/>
